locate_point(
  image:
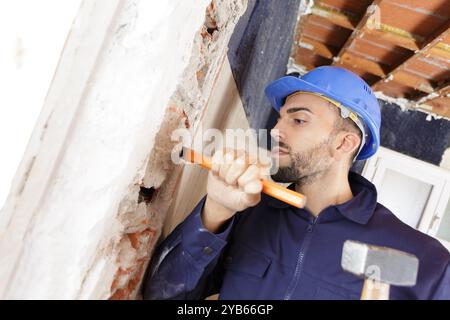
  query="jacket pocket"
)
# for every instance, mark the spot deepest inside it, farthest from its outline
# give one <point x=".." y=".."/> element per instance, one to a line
<point x="244" y="260"/>
<point x="326" y="291"/>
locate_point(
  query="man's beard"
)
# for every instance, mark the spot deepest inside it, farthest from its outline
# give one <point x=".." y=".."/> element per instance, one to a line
<point x="306" y="167"/>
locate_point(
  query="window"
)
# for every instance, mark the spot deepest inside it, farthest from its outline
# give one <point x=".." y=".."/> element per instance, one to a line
<point x="417" y="192"/>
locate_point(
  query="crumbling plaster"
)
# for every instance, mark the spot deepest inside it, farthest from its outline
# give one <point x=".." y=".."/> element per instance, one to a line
<point x="83" y="233"/>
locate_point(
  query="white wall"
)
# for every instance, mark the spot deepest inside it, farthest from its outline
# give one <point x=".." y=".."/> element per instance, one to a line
<point x="32" y="36"/>
<point x="61" y="227"/>
<point x="72" y="226"/>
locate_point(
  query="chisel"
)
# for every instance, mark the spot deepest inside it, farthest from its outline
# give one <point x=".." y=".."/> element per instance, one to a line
<point x="269" y="187"/>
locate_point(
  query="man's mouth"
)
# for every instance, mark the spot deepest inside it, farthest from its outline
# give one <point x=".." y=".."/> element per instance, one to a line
<point x="277" y="151"/>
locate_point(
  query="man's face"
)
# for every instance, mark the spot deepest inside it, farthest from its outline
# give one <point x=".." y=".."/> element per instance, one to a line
<point x="305" y="133"/>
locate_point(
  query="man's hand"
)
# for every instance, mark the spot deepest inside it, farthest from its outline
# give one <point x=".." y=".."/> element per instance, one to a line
<point x="234" y="184"/>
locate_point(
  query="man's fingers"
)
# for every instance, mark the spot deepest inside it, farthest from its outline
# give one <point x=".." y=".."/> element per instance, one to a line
<point x="236" y="170"/>
<point x="252" y="173"/>
<point x="216" y="161"/>
<point x="228" y="161"/>
<point x="238" y="167"/>
<point x="234" y="182"/>
<point x="253" y="187"/>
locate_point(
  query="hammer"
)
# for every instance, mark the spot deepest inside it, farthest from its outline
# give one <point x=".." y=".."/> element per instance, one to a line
<point x="380" y="267"/>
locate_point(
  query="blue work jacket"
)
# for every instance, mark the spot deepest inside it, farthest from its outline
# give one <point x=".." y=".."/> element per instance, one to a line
<point x="277" y="251"/>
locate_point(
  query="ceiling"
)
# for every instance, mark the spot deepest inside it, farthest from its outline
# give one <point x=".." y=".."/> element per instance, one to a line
<point x="400" y="47"/>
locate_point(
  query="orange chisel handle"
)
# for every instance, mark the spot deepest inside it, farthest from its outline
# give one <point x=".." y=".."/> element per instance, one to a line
<point x="269" y="187"/>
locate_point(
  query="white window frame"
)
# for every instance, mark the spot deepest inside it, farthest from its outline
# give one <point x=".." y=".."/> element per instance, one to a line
<point x="439" y="178"/>
<point x="439" y="214"/>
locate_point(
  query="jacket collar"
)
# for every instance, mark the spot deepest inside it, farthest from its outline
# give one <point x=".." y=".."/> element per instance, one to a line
<point x="359" y="209"/>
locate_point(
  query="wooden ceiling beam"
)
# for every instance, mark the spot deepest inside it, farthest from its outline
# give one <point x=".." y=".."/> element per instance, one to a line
<point x="351" y="20"/>
<point x="358" y="32"/>
<point x="400" y="73"/>
<point x="440" y="92"/>
<point x="348" y="59"/>
<point x="318" y="47"/>
<point x="361" y="63"/>
<point x="344" y="19"/>
<point x="397" y="36"/>
<point x="438" y="106"/>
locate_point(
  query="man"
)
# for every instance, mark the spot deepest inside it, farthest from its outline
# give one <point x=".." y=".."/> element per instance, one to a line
<point x="245" y="245"/>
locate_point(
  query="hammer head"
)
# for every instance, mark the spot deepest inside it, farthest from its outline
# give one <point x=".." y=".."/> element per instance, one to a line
<point x="382" y="264"/>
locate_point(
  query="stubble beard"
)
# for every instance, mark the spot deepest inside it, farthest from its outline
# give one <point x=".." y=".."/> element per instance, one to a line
<point x="306" y="167"/>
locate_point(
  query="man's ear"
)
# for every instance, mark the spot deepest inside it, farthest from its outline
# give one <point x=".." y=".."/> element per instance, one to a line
<point x="347" y="143"/>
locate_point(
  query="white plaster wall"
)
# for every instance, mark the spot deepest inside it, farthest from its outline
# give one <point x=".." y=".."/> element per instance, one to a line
<point x="56" y="246"/>
<point x="33" y="35"/>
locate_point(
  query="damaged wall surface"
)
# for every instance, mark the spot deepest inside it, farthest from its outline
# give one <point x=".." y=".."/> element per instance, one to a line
<point x="92" y="191"/>
<point x="224" y="110"/>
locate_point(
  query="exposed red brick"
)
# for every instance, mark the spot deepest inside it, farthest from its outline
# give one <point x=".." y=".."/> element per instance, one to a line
<point x="114" y="284"/>
<point x="204" y="33"/>
<point x="136" y="279"/>
<point x="200" y="74"/>
<point x="187" y="125"/>
<point x="210" y="21"/>
<point x="122" y="272"/>
<point x="119" y="294"/>
<point x="134" y="239"/>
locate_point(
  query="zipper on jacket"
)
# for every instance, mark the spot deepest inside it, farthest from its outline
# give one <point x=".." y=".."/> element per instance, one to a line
<point x="300" y="259"/>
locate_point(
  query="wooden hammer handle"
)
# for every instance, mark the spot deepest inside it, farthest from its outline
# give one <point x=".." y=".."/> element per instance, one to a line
<point x="374" y="290"/>
<point x="269" y="187"/>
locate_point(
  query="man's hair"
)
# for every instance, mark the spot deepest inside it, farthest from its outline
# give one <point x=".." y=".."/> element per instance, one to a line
<point x="341" y="124"/>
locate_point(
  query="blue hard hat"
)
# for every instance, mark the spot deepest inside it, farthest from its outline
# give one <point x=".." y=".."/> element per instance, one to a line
<point x="342" y="86"/>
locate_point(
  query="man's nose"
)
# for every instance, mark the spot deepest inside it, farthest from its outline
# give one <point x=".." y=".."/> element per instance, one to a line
<point x="277" y="133"/>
